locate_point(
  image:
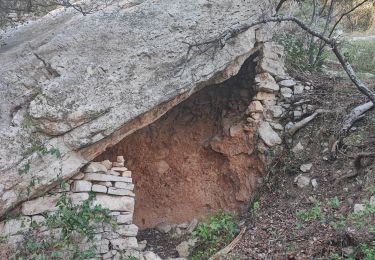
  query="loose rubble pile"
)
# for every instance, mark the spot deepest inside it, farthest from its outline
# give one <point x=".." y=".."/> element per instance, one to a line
<point x="112" y="184"/>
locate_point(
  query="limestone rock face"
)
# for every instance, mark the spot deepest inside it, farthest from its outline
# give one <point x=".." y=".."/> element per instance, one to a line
<point x="86" y="82"/>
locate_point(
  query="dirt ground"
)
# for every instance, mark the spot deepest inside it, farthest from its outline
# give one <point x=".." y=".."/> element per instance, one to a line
<point x="279" y="230"/>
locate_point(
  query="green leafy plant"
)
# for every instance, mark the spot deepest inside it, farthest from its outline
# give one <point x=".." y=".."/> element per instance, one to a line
<point x="67" y="228"/>
<point x="368" y="252"/>
<point x="361" y="219"/>
<point x="313" y="213"/>
<point x="334" y="203"/>
<point x="215" y="233"/>
<point x="298" y="53"/>
<point x="255" y="208"/>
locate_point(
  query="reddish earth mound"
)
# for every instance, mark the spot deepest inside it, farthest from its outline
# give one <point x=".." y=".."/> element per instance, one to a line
<point x="198" y="158"/>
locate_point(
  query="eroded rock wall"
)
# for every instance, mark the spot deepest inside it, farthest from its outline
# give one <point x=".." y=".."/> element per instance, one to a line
<point x="200" y="157"/>
<point x="77" y="84"/>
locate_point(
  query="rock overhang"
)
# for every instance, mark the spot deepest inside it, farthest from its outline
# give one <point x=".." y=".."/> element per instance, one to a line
<point x="114" y="74"/>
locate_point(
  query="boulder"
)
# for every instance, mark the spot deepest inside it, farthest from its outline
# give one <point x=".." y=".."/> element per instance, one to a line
<point x="87" y="81"/>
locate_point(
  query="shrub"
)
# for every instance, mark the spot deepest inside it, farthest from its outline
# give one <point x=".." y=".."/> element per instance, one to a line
<point x="69" y="226"/>
<point x="298" y="53"/>
<point x="215" y="233"/>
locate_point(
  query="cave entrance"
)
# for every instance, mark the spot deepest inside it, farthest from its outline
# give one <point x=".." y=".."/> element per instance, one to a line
<point x="196" y="159"/>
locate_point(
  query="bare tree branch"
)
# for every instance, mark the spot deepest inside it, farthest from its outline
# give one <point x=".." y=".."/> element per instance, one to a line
<point x="332" y="42"/>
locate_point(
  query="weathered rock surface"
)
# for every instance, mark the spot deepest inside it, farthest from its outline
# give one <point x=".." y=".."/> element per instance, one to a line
<point x="85" y="82"/>
<point x="268" y="135"/>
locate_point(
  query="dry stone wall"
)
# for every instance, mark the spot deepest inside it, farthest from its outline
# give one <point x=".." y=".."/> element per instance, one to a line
<point x="112" y="184"/>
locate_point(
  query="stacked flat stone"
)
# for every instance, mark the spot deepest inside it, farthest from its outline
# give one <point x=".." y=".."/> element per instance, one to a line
<point x="113" y="187"/>
<point x="275" y="90"/>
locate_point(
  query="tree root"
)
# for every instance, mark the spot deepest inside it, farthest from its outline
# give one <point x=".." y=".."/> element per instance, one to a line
<point x="292" y="130"/>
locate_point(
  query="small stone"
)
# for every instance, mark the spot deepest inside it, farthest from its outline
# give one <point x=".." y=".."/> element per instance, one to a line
<point x="15" y="226"/>
<point x="111" y="172"/>
<point x="105" y="183"/>
<point x="78" y="176"/>
<point x="162" y="166"/>
<point x="256" y="116"/>
<point x="119" y="169"/>
<point x="287" y="83"/>
<point x="276" y="126"/>
<point x="78" y="198"/>
<point x="266" y="83"/>
<point x="123" y="185"/>
<point x="120" y="159"/>
<point x="183" y="225"/>
<point x="265" y="96"/>
<point x="124" y="243"/>
<point x="348" y="251"/>
<point x="286" y="92"/>
<point x="99" y="188"/>
<point x="302" y="181"/>
<point x="268" y="135"/>
<point x="151" y="256"/>
<point x="117" y="164"/>
<point x="192" y="226"/>
<point x="183" y="249"/>
<point x="163" y="227"/>
<point x="105" y="177"/>
<point x="236" y="130"/>
<point x="142" y="245"/>
<point x="120" y="192"/>
<point x="314" y="183"/>
<point x="298" y="148"/>
<point x="124" y="219"/>
<point x="38" y="219"/>
<point x="95" y="167"/>
<point x="276" y="111"/>
<point x="307" y="88"/>
<point x="297" y="114"/>
<point x="107" y="164"/>
<point x="126" y="174"/>
<point x="298" y="89"/>
<point x="115" y="203"/>
<point x="359" y="207"/>
<point x="372" y="201"/>
<point x="306" y="167"/>
<point x="81" y="185"/>
<point x="255" y="107"/>
<point x="127" y="230"/>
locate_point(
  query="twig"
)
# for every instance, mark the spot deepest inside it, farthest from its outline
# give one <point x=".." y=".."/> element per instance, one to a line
<point x="229" y="247"/>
